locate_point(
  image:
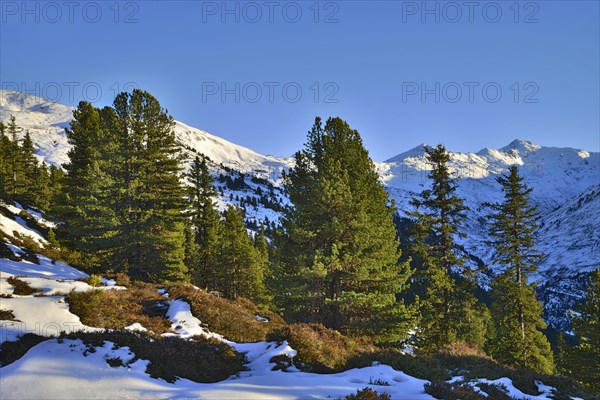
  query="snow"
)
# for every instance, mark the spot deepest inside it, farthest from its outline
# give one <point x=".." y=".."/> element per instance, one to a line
<point x="9" y="226"/>
<point x="546" y="392"/>
<point x="46" y="269"/>
<point x="44" y="316"/>
<point x="51" y="364"/>
<point x="136" y="326"/>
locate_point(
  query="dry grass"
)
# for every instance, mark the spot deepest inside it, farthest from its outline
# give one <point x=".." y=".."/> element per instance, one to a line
<point x="325" y="350"/>
<point x="116" y="309"/>
<point x="235" y="320"/>
<point x="201" y="360"/>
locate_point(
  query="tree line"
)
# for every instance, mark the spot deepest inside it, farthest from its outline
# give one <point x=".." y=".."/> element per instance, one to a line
<point x="336" y="258"/>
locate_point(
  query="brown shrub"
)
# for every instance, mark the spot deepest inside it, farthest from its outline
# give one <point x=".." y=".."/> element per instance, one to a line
<point x="7" y="315"/>
<point x="200" y="360"/>
<point x="12" y="351"/>
<point x="235" y="320"/>
<point x="22" y="288"/>
<point x="115" y="309"/>
<point x="368" y="394"/>
<point x="325" y="350"/>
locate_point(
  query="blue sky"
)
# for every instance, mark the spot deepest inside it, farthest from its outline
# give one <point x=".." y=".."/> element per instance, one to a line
<point x="257" y="73"/>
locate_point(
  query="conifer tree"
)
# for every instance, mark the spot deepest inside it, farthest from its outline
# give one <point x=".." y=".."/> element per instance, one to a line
<point x="5" y="146"/>
<point x="206" y="224"/>
<point x="14" y="160"/>
<point x="85" y="204"/>
<point x="27" y="185"/>
<point x="449" y="310"/>
<point x="240" y="273"/>
<point x="191" y="249"/>
<point x="338" y="253"/>
<point x="150" y="236"/>
<point x="583" y="360"/>
<point x="517" y="314"/>
<point x="261" y="247"/>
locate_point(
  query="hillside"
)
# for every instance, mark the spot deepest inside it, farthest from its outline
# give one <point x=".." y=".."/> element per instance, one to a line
<point x="203" y="347"/>
<point x="564" y="181"/>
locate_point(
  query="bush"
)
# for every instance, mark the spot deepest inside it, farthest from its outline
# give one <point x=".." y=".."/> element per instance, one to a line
<point x="325" y="350"/>
<point x="235" y="320"/>
<point x="116" y="309"/>
<point x="93" y="280"/>
<point x="368" y="394"/>
<point x="200" y="360"/>
<point x="7" y="315"/>
<point x="22" y="288"/>
<point x="12" y="351"/>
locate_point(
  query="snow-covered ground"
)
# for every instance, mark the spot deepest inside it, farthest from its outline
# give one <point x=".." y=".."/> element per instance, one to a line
<point x="66" y="369"/>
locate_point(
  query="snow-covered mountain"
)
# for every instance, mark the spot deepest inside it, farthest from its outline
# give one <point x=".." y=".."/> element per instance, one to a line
<point x="566" y="185"/>
<point x="46" y="122"/>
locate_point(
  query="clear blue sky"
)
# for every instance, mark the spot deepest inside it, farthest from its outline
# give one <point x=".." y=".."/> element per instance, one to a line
<point x="373" y="57"/>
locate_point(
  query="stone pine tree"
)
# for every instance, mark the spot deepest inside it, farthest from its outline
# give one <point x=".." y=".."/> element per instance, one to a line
<point x="31" y="172"/>
<point x="205" y="224"/>
<point x="449" y="311"/>
<point x="86" y="202"/>
<point x="150" y="237"/>
<point x="261" y="247"/>
<point x="517" y="314"/>
<point x="14" y="161"/>
<point x="5" y="147"/>
<point x="337" y="252"/>
<point x="240" y="272"/>
<point x="582" y="361"/>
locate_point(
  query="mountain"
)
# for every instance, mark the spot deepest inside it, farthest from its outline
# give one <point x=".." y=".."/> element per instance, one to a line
<point x="566" y="185"/>
<point x="46" y="122"/>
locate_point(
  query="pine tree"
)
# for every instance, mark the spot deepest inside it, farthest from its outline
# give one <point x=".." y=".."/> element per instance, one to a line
<point x="240" y="273"/>
<point x="261" y="248"/>
<point x="191" y="249"/>
<point x="449" y="310"/>
<point x="26" y="186"/>
<point x="206" y="224"/>
<point x="14" y="160"/>
<point x="517" y="314"/>
<point x="5" y="146"/>
<point x="583" y="360"/>
<point x="85" y="203"/>
<point x="149" y="197"/>
<point x="40" y="189"/>
<point x="338" y="253"/>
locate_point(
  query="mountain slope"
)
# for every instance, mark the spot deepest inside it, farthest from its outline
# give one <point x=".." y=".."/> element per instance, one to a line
<point x="565" y="183"/>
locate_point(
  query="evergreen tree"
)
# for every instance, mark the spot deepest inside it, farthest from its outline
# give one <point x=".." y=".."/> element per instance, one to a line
<point x="86" y="202"/>
<point x="240" y="273"/>
<point x="449" y="310"/>
<point x="583" y="360"/>
<point x="261" y="248"/>
<point x="40" y="187"/>
<point x="191" y="248"/>
<point x="27" y="187"/>
<point x="338" y="252"/>
<point x="149" y="198"/>
<point x="206" y="224"/>
<point x="517" y="314"/>
<point x="5" y="147"/>
<point x="14" y="160"/>
<point x="124" y="204"/>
